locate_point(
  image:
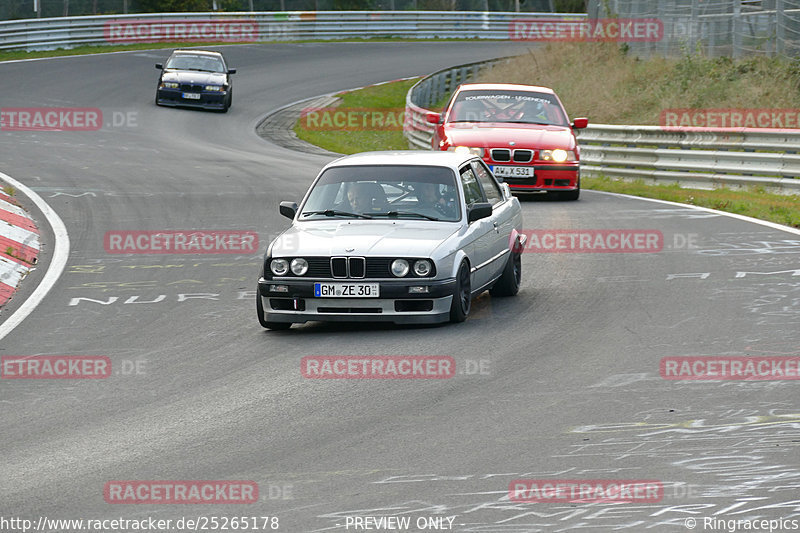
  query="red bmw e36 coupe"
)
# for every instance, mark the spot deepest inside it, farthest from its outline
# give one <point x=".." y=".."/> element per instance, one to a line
<point x="521" y="131"/>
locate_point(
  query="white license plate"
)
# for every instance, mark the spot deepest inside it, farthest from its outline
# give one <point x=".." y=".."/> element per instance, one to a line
<point x="191" y="96"/>
<point x="347" y="290"/>
<point x="505" y="171"/>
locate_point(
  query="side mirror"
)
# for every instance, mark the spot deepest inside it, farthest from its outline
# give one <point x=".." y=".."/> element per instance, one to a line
<point x="288" y="209"/>
<point x="433" y="118"/>
<point x="478" y="211"/>
<point x="580" y="123"/>
<point x="232" y="71"/>
<point x="159" y="66"/>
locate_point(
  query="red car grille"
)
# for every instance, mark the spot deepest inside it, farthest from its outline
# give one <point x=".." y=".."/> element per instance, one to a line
<point x="501" y="154"/>
<point x="505" y="155"/>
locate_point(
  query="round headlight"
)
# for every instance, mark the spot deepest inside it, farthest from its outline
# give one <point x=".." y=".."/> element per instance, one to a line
<point x="279" y="267"/>
<point x="399" y="267"/>
<point x="559" y="155"/>
<point x="299" y="266"/>
<point x="467" y="150"/>
<point x="422" y="268"/>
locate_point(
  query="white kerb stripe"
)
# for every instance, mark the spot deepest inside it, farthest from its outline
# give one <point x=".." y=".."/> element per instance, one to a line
<point x="57" y="262"/>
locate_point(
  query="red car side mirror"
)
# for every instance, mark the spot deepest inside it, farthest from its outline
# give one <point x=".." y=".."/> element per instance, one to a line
<point x="580" y="123"/>
<point x="433" y="118"/>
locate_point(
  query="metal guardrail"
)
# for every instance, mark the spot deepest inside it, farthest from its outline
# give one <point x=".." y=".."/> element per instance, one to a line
<point x="44" y="34"/>
<point x="429" y="91"/>
<point x="733" y="158"/>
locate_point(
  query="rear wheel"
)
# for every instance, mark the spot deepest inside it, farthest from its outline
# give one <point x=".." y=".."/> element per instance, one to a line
<point x="462" y="295"/>
<point x="265" y="323"/>
<point x="510" y="280"/>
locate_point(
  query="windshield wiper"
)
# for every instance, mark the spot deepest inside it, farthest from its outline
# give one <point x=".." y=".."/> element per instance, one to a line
<point x="335" y="213"/>
<point x="395" y="214"/>
<point x="193" y="69"/>
<point x="528" y="122"/>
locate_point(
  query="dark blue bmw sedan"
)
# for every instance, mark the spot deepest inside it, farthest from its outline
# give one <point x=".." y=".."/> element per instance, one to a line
<point x="195" y="78"/>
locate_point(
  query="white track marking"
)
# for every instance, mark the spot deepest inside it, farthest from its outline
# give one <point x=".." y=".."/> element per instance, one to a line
<point x="57" y="263"/>
<point x="772" y="225"/>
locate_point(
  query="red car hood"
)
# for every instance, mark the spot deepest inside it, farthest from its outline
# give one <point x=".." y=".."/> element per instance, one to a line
<point x="495" y="135"/>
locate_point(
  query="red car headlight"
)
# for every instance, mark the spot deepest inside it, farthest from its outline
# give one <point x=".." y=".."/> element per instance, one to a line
<point x="467" y="150"/>
<point x="558" y="155"/>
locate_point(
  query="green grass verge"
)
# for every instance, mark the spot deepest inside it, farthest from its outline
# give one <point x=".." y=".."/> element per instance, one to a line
<point x="94" y="49"/>
<point x="756" y="203"/>
<point x="386" y="101"/>
<point x="10" y="55"/>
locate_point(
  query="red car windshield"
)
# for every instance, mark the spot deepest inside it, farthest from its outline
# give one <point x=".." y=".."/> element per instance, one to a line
<point x="519" y="107"/>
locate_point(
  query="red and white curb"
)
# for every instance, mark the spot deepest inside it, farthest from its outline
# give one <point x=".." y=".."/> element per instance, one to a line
<point x="19" y="246"/>
<point x="18" y="228"/>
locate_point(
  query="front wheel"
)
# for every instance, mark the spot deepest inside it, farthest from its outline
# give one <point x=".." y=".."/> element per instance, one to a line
<point x="264" y="323"/>
<point x="462" y="295"/>
<point x="569" y="195"/>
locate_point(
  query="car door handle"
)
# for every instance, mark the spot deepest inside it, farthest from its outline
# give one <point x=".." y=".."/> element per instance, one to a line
<point x="496" y="229"/>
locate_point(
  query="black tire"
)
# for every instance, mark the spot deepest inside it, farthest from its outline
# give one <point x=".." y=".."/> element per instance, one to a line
<point x="569" y="195"/>
<point x="264" y="323"/>
<point x="462" y="295"/>
<point x="157" y="99"/>
<point x="510" y="280"/>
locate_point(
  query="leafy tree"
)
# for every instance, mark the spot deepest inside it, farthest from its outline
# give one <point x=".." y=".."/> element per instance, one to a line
<point x="172" y="6"/>
<point x="570" y="6"/>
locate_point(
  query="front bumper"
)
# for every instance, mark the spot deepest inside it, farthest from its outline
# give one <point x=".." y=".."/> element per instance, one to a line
<point x="208" y="100"/>
<point x="546" y="178"/>
<point x="394" y="305"/>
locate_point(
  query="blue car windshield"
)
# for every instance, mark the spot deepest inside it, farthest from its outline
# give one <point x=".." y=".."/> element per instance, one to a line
<point x="195" y="62"/>
<point x="385" y="191"/>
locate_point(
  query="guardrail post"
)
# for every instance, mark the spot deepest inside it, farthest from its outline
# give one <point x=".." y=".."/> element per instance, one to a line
<point x="780" y="29"/>
<point x="737" y="28"/>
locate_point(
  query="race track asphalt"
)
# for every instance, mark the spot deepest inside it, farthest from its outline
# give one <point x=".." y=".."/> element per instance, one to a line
<point x="569" y="387"/>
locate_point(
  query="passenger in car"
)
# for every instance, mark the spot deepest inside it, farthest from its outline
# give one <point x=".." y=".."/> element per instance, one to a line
<point x="429" y="196"/>
<point x="365" y="197"/>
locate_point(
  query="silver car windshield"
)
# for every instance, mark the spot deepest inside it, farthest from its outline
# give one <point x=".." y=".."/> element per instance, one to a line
<point x="519" y="107"/>
<point x="384" y="191"/>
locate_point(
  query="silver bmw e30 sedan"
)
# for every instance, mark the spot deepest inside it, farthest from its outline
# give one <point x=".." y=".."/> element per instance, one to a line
<point x="403" y="237"/>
